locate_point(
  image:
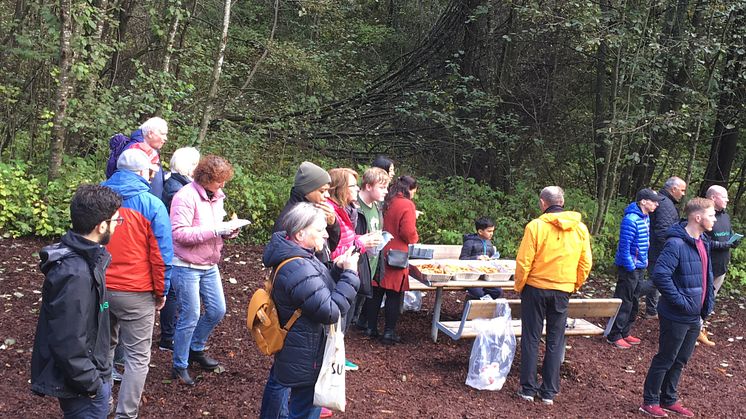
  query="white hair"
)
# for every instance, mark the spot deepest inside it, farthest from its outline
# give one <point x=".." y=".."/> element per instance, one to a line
<point x="153" y="124"/>
<point x="553" y="195"/>
<point x="716" y="190"/>
<point x="184" y="160"/>
<point x="672" y="182"/>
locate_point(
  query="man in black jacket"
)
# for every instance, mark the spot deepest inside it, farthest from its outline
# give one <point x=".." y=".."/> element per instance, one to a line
<point x="71" y="348"/>
<point x="661" y="220"/>
<point x="720" y="243"/>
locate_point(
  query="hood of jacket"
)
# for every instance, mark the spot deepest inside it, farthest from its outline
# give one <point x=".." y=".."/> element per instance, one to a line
<point x="472" y="236"/>
<point x="127" y="184"/>
<point x="565" y="220"/>
<point x="679" y="230"/>
<point x="70" y="242"/>
<point x="633" y="208"/>
<point x="280" y="248"/>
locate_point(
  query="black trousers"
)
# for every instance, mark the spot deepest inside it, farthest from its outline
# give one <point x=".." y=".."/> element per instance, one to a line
<point x="391" y="309"/>
<point x="628" y="286"/>
<point x="675" y="347"/>
<point x="536" y="306"/>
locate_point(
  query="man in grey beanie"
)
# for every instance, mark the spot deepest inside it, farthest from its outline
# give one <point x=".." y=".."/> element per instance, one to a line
<point x="312" y="185"/>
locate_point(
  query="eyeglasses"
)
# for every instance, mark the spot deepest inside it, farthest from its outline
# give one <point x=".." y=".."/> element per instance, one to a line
<point x="116" y="221"/>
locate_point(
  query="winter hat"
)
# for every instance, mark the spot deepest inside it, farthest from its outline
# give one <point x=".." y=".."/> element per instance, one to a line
<point x="133" y="160"/>
<point x="310" y="177"/>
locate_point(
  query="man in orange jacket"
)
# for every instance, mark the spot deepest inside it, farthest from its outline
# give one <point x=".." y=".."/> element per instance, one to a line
<point x="553" y="261"/>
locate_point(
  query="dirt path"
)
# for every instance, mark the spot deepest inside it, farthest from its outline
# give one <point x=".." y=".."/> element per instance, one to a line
<point x="417" y="379"/>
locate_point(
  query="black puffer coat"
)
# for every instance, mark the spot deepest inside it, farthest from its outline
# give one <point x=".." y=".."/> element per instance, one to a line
<point x="719" y="236"/>
<point x="322" y="296"/>
<point x="475" y="246"/>
<point x="666" y="215"/>
<point x="71" y="346"/>
<point x="333" y="230"/>
<point x="172" y="185"/>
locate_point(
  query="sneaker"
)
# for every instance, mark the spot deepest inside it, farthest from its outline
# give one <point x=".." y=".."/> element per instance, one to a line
<point x="325" y="413"/>
<point x="116" y="376"/>
<point x="653" y="410"/>
<point x="525" y="397"/>
<point x="619" y="343"/>
<point x="678" y="408"/>
<point x="547" y="402"/>
<point x="166" y="345"/>
<point x="350" y="366"/>
<point x="632" y="340"/>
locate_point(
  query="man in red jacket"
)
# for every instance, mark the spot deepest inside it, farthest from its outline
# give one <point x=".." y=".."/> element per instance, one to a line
<point x="137" y="280"/>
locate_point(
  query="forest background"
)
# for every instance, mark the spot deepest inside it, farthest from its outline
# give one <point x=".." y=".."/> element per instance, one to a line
<point x="484" y="101"/>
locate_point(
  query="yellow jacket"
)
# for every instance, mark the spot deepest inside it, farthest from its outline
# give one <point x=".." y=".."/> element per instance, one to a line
<point x="555" y="253"/>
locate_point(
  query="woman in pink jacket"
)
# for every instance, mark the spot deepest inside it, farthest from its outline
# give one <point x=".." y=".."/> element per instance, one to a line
<point x="198" y="229"/>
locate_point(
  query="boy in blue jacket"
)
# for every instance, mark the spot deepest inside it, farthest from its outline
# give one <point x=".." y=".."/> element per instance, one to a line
<point x="479" y="247"/>
<point x="683" y="275"/>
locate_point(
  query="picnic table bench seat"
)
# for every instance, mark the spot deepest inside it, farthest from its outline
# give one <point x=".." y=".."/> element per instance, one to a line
<point x="578" y="310"/>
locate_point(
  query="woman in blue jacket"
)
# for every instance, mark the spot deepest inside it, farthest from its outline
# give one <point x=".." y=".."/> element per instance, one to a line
<point x="322" y="296"/>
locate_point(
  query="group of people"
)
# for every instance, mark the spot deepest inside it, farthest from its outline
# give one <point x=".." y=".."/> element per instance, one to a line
<point x="144" y="241"/>
<point x="686" y="260"/>
<point x="102" y="289"/>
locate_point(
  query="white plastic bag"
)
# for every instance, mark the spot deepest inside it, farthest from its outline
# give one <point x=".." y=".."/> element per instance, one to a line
<point x="412" y="300"/>
<point x="493" y="350"/>
<point x="329" y="390"/>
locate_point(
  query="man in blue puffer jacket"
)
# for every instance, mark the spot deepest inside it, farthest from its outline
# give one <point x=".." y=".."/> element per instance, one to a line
<point x="631" y="260"/>
<point x="683" y="275"/>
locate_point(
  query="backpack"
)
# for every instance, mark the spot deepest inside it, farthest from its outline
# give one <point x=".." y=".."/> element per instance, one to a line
<point x="117" y="144"/>
<point x="262" y="319"/>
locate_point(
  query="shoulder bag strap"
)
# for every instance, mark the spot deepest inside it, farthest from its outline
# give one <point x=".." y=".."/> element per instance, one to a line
<point x="297" y="312"/>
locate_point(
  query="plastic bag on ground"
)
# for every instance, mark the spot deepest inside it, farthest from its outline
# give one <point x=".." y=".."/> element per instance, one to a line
<point x="412" y="300"/>
<point x="493" y="350"/>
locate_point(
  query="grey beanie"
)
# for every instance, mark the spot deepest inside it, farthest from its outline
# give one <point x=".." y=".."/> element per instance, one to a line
<point x="134" y="160"/>
<point x="310" y="177"/>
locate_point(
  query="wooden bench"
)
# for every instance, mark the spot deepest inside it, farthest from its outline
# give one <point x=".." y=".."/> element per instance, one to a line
<point x="578" y="309"/>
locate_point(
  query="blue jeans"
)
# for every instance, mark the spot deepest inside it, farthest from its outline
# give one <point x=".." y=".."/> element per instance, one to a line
<point x="89" y="408"/>
<point x="193" y="329"/>
<point x="283" y="402"/>
<point x="675" y="347"/>
<point x="168" y="315"/>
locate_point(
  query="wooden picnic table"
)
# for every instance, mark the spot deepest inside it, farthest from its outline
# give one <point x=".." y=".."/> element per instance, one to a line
<point x="416" y="285"/>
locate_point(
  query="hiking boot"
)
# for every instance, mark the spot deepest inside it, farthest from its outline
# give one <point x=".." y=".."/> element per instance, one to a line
<point x="632" y="340"/>
<point x="166" y="344"/>
<point x="326" y="413"/>
<point x="619" y="343"/>
<point x="525" y="397"/>
<point x="350" y="366"/>
<point x="371" y="333"/>
<point x="678" y="408"/>
<point x="390" y="337"/>
<point x="653" y="410"/>
<point x="702" y="338"/>
<point x="182" y="375"/>
<point x="204" y="361"/>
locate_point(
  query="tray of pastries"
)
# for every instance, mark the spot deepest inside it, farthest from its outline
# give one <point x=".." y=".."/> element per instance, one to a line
<point x="432" y="272"/>
<point x="494" y="270"/>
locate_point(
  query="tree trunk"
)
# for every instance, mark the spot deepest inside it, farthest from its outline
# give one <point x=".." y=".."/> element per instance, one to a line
<point x="215" y="74"/>
<point x="730" y="110"/>
<point x="57" y="143"/>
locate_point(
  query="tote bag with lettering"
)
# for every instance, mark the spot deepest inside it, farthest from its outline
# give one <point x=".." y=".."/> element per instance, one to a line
<point x="329" y="391"/>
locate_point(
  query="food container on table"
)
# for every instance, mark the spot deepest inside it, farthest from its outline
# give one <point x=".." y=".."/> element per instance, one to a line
<point x="460" y="269"/>
<point x="429" y="271"/>
<point x="494" y="269"/>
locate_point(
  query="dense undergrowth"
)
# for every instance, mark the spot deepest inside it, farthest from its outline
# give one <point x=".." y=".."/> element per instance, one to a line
<point x="449" y="205"/>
